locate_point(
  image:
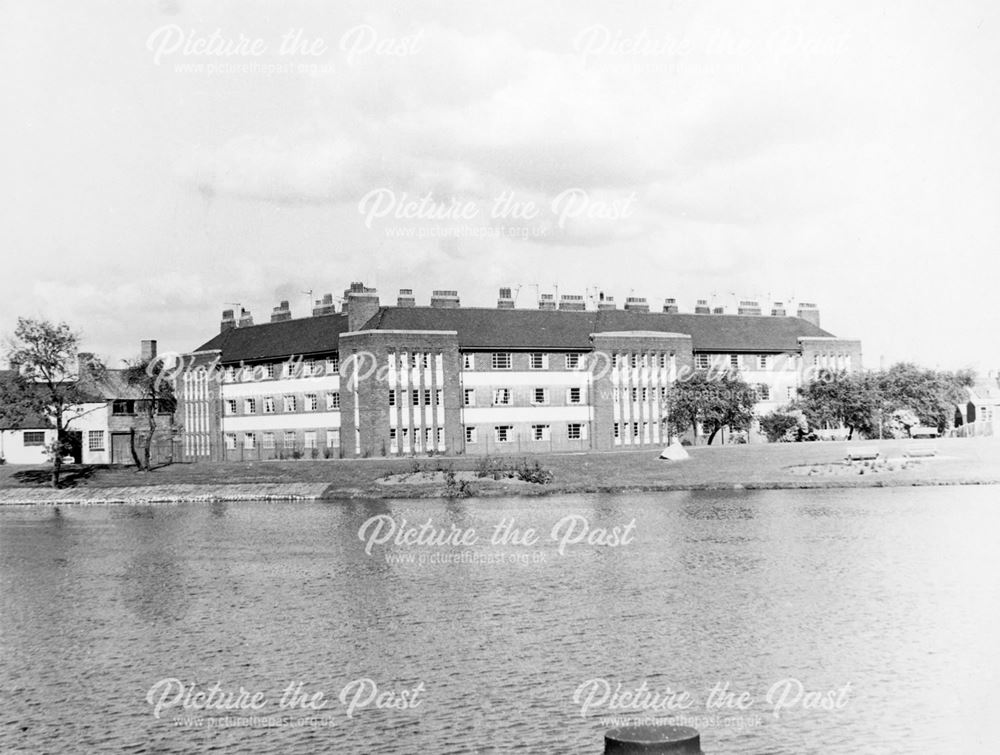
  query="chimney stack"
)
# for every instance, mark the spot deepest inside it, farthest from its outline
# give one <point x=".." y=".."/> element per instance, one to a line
<point x="608" y="302"/>
<point x="748" y="308"/>
<point x="572" y="302"/>
<point x="147" y="351"/>
<point x="281" y="313"/>
<point x="719" y="311"/>
<point x="405" y="298"/>
<point x="636" y="304"/>
<point x="246" y="319"/>
<point x="778" y="310"/>
<point x="325" y="306"/>
<point x="701" y="308"/>
<point x="83" y="360"/>
<point x="362" y="305"/>
<point x="809" y="313"/>
<point x="546" y="301"/>
<point x="670" y="306"/>
<point x="228" y="320"/>
<point x="505" y="300"/>
<point x="445" y="299"/>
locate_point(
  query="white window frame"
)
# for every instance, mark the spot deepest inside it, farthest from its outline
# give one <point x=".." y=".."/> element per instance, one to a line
<point x="267" y="441"/>
<point x="333" y="401"/>
<point x="470" y="435"/>
<point x="541" y="432"/>
<point x="579" y="395"/>
<point x="501" y="360"/>
<point x="504" y="393"/>
<point x="230" y="407"/>
<point x="508" y="433"/>
<point x="230" y="439"/>
<point x="309" y="439"/>
<point x="581" y="431"/>
<point x="311" y="403"/>
<point x="249" y="441"/>
<point x="469" y="397"/>
<point x="249" y="406"/>
<point x="468" y="361"/>
<point x="289" y="401"/>
<point x="268" y="405"/>
<point x="573" y="361"/>
<point x="541" y="358"/>
<point x="98" y="436"/>
<point x="534" y="397"/>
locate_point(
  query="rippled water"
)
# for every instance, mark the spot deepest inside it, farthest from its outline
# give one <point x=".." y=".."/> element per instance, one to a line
<point x="892" y="591"/>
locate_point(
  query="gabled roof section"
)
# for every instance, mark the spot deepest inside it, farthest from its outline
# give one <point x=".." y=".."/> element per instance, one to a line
<point x="276" y="340"/>
<point x="567" y="330"/>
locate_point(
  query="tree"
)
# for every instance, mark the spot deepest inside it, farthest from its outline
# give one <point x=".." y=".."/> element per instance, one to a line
<point x="149" y="378"/>
<point x="785" y="425"/>
<point x="45" y="382"/>
<point x="720" y="401"/>
<point x="932" y="395"/>
<point x="841" y="399"/>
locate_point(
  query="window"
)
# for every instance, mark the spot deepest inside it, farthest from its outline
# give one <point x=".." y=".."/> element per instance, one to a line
<point x="469" y="396"/>
<point x="392" y="398"/>
<point x="762" y="362"/>
<point x="645" y="359"/>
<point x="34" y="438"/>
<point x="95" y="440"/>
<point x="268" y="440"/>
<point x="617" y="360"/>
<point x="503" y="433"/>
<point x="392" y="439"/>
<point x="633" y="361"/>
<point x="635" y="429"/>
<point x="616" y="394"/>
<point x="310" y="439"/>
<point x="249" y="440"/>
<point x="268" y="405"/>
<point x="663" y="361"/>
<point x="734" y="361"/>
<point x="332" y="400"/>
<point x="250" y="406"/>
<point x="763" y="392"/>
<point x="439" y="436"/>
<point x="286" y="369"/>
<point x="470" y="435"/>
<point x="312" y="402"/>
<point x="573" y="396"/>
<point x="231" y="441"/>
<point x="572" y="361"/>
<point x="790" y="392"/>
<point x="309" y="368"/>
<point x="468" y="362"/>
<point x="618" y="431"/>
<point x="425" y="360"/>
<point x="333" y="364"/>
<point x="574" y="431"/>
<point x="229" y="375"/>
<point x="635" y="394"/>
<point x="427" y="397"/>
<point x="269" y="370"/>
<point x="701" y="361"/>
<point x="415" y="397"/>
<point x="538" y="361"/>
<point x="539" y="432"/>
<point x="122" y="407"/>
<point x="333" y="438"/>
<point x="501" y="361"/>
<point x="540" y="396"/>
<point x="289" y="441"/>
<point x="645" y="394"/>
<point x="230" y="406"/>
<point x="438" y="395"/>
<point x="501" y="396"/>
<point x="289" y="403"/>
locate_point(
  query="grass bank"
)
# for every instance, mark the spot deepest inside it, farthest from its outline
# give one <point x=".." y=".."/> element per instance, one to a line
<point x="959" y="461"/>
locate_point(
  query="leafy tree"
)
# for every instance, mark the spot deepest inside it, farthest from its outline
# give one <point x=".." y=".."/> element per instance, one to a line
<point x="930" y="394"/>
<point x="841" y="399"/>
<point x="785" y="425"/>
<point x="45" y="383"/>
<point x="722" y="400"/>
<point x="149" y="378"/>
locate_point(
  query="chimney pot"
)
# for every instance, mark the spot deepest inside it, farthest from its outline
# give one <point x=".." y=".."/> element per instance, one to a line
<point x="147" y="351"/>
<point x="362" y="305"/>
<point x="546" y="302"/>
<point x="636" y="304"/>
<point x="405" y="298"/>
<point x="445" y="299"/>
<point x="505" y="300"/>
<point x="228" y="320"/>
<point x="246" y="319"/>
<point x="701" y="307"/>
<point x="670" y="306"/>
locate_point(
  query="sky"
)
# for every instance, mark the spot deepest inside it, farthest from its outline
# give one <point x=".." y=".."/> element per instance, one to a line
<point x="165" y="160"/>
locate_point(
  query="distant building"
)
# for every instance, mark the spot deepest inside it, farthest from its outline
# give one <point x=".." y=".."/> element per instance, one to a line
<point x="372" y="380"/>
<point x="981" y="413"/>
<point x="101" y="429"/>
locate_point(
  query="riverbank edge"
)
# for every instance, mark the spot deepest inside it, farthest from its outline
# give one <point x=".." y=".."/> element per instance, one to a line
<point x="115" y="496"/>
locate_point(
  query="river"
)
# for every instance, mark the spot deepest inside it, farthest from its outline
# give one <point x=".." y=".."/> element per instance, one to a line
<point x="822" y="621"/>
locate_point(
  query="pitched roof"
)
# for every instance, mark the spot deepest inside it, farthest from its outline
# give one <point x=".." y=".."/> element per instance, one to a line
<point x="307" y="335"/>
<point x="567" y="329"/>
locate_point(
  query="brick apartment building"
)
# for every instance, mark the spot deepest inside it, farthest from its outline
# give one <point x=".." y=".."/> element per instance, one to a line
<point x="373" y="380"/>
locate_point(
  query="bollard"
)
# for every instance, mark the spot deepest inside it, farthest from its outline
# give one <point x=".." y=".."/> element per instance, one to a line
<point x="633" y="740"/>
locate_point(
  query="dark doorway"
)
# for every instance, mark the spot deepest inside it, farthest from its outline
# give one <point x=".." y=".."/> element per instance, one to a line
<point x="75" y="439"/>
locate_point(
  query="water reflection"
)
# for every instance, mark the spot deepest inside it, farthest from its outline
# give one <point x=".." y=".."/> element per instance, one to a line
<point x="883" y="589"/>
